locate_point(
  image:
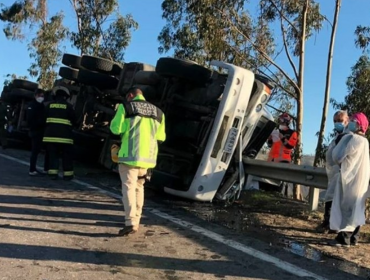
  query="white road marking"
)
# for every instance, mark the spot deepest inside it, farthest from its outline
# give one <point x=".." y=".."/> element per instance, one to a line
<point x="291" y="268"/>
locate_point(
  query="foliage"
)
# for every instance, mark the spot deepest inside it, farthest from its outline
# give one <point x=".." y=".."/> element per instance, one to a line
<point x="290" y="13"/>
<point x="45" y="47"/>
<point x="224" y="30"/>
<point x="95" y="36"/>
<point x="45" y="51"/>
<point x="358" y="96"/>
<point x="362" y="37"/>
<point x="204" y="31"/>
<point x="17" y="16"/>
<point x="11" y="77"/>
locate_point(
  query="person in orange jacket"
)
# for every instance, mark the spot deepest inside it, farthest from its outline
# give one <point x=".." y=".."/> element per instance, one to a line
<point x="282" y="140"/>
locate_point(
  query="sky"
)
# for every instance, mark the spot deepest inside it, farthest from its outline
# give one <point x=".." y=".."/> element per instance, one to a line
<point x="144" y="48"/>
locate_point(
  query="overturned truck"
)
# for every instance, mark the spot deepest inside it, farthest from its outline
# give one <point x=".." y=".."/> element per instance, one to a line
<point x="213" y="118"/>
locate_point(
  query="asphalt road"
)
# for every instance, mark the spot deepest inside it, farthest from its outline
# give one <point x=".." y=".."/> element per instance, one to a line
<point x="68" y="230"/>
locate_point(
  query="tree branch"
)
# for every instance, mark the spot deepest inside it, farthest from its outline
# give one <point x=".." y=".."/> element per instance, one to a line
<point x="275" y="79"/>
<point x="284" y="17"/>
<point x="287" y="50"/>
<point x="281" y="111"/>
<point x="268" y="58"/>
<point x="279" y="85"/>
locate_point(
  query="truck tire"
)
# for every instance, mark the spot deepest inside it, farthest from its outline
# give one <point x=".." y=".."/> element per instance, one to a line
<point x="24" y="84"/>
<point x="116" y="69"/>
<point x="149" y="92"/>
<point x="72" y="60"/>
<point x="68" y="73"/>
<point x="6" y="89"/>
<point x="185" y="69"/>
<point x="100" y="80"/>
<point x="150" y="78"/>
<point x="21" y="93"/>
<point x="5" y="96"/>
<point x="98" y="64"/>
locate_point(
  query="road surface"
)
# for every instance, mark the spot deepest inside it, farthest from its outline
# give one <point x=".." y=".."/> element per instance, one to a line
<point x="68" y="230"/>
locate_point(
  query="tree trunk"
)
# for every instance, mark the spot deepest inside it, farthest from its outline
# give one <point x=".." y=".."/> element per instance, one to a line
<point x="328" y="82"/>
<point x="297" y="191"/>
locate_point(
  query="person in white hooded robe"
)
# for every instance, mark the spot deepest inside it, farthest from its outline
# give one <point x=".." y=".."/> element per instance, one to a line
<point x="340" y="119"/>
<point x="348" y="210"/>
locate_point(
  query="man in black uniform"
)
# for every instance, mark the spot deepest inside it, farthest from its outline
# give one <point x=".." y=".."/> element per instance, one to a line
<point x="60" y="118"/>
<point x="3" y="122"/>
<point x="36" y="122"/>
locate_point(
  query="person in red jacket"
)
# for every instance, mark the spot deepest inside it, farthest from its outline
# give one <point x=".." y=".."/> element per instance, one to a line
<point x="282" y="140"/>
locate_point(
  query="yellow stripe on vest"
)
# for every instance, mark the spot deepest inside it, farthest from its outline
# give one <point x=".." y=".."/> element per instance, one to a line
<point x="57" y="140"/>
<point x="59" y="121"/>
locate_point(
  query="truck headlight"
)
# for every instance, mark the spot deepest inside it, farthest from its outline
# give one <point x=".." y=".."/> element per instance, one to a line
<point x="264" y="98"/>
<point x="259" y="108"/>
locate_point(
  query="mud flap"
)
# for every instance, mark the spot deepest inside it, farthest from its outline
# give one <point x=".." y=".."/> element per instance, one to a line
<point x="233" y="186"/>
<point x="241" y="167"/>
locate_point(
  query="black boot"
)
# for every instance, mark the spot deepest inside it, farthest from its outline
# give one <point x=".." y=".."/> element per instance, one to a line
<point x="324" y="227"/>
<point x="127" y="230"/>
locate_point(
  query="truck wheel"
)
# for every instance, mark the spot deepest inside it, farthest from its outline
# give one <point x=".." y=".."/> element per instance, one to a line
<point x="185" y="69"/>
<point x="100" y="80"/>
<point x="116" y="69"/>
<point x="149" y="92"/>
<point x="68" y="73"/>
<point x="24" y="84"/>
<point x="98" y="64"/>
<point x="150" y="78"/>
<point x="6" y="89"/>
<point x="21" y="93"/>
<point x="72" y="60"/>
<point x="5" y="96"/>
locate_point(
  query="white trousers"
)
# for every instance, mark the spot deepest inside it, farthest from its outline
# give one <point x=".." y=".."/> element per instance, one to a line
<point x="132" y="193"/>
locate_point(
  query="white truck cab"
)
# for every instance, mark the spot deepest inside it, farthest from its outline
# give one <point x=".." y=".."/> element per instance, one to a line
<point x="237" y="124"/>
<point x="241" y="108"/>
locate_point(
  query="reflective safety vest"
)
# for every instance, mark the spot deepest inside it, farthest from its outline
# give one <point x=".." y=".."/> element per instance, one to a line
<point x="141" y="125"/>
<point x="281" y="151"/>
<point x="60" y="117"/>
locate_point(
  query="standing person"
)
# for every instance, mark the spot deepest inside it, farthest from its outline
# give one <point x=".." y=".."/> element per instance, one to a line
<point x="140" y="125"/>
<point x="60" y="118"/>
<point x="36" y="123"/>
<point x="340" y="119"/>
<point x="352" y="155"/>
<point x="282" y="140"/>
<point x="3" y="122"/>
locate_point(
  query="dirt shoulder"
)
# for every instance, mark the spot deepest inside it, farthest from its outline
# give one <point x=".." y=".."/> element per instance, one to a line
<point x="287" y="223"/>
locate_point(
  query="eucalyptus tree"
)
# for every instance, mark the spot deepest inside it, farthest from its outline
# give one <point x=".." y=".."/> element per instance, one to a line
<point x="101" y="30"/>
<point x="321" y="147"/>
<point x="45" y="48"/>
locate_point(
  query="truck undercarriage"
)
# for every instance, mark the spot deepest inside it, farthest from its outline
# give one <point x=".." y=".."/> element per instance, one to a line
<point x="213" y="118"/>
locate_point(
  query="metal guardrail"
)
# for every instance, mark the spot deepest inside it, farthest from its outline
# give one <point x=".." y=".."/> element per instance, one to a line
<point x="313" y="177"/>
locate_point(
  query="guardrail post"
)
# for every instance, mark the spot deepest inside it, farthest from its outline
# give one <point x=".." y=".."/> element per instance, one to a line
<point x="314" y="198"/>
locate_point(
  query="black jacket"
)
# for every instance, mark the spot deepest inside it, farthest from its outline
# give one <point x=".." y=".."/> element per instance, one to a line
<point x="3" y="114"/>
<point x="36" y="117"/>
<point x="60" y="119"/>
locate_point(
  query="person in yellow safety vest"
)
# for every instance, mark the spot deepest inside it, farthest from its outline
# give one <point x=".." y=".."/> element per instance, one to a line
<point x="282" y="140"/>
<point x="60" y="118"/>
<point x="141" y="126"/>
